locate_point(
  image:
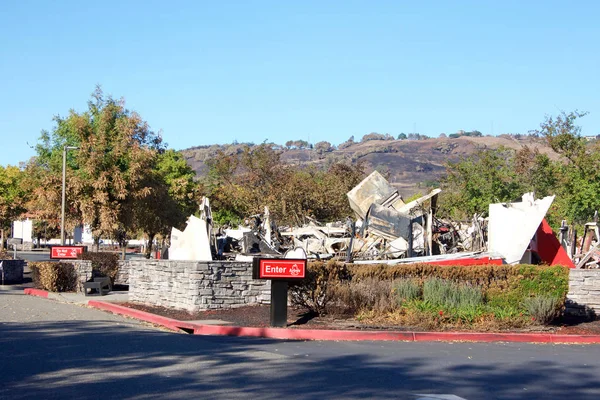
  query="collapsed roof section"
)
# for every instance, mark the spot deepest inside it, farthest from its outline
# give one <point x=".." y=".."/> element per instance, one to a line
<point x="374" y="189"/>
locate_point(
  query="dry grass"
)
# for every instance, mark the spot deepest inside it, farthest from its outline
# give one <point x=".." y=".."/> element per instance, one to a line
<point x="416" y="320"/>
<point x="355" y="297"/>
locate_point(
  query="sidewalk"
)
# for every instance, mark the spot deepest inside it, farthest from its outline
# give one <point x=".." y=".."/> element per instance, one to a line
<point x="220" y="328"/>
<point x="80" y="298"/>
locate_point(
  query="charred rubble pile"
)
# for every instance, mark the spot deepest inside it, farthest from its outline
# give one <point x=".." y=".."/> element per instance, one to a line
<point x="386" y="229"/>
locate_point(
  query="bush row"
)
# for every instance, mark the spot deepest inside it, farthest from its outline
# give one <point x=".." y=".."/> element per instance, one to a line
<point x="427" y="294"/>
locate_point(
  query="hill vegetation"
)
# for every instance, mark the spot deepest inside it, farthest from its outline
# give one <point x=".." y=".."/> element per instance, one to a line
<point x="413" y="164"/>
<point x="473" y="170"/>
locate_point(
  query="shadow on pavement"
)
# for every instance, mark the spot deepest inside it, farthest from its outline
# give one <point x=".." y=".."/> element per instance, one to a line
<point x="94" y="360"/>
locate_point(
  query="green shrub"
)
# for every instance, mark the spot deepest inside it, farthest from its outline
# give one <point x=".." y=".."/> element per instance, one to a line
<point x="440" y="292"/>
<point x="54" y="277"/>
<point x="103" y="264"/>
<point x="406" y="290"/>
<point x="543" y="308"/>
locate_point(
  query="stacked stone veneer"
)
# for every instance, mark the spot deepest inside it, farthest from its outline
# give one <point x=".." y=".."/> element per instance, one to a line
<point x="584" y="291"/>
<point x="11" y="271"/>
<point x="123" y="274"/>
<point x="83" y="269"/>
<point x="194" y="285"/>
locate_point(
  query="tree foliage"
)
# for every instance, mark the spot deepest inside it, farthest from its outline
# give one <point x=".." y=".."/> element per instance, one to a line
<point x="172" y="198"/>
<point x="496" y="176"/>
<point x="471" y="184"/>
<point x="503" y="175"/>
<point x="240" y="185"/>
<point x="578" y="189"/>
<point x="323" y="147"/>
<point x="120" y="179"/>
<point x="12" y="197"/>
<point x="117" y="152"/>
<point x="297" y="144"/>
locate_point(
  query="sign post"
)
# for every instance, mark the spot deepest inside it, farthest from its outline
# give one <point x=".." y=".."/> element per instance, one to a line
<point x="280" y="271"/>
<point x="15" y="242"/>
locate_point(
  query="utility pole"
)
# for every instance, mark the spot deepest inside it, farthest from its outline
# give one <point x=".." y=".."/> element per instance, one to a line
<point x="64" y="178"/>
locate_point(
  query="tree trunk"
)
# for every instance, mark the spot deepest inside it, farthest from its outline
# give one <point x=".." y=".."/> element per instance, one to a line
<point x="123" y="250"/>
<point x="148" y="251"/>
<point x="2" y="240"/>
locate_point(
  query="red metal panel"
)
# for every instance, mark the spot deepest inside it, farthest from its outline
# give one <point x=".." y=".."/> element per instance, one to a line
<point x="549" y="248"/>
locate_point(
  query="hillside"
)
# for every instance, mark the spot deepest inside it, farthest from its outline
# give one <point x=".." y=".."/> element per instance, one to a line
<point x="410" y="165"/>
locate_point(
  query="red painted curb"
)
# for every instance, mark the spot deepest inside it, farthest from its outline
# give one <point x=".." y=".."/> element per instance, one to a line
<point x="170" y="323"/>
<point x="36" y="292"/>
<point x="342" y="335"/>
<point x="315" y="334"/>
<point x="484" y="337"/>
<point x="301" y="334"/>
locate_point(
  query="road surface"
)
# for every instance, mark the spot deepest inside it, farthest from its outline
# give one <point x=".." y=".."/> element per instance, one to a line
<point x="52" y="350"/>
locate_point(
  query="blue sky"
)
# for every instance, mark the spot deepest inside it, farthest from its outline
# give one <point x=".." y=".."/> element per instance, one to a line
<point x="214" y="72"/>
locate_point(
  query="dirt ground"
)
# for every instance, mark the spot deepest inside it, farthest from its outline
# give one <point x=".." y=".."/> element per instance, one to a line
<point x="259" y="316"/>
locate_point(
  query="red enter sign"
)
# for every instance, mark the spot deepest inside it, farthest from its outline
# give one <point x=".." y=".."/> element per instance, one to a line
<point x="66" y="252"/>
<point x="282" y="269"/>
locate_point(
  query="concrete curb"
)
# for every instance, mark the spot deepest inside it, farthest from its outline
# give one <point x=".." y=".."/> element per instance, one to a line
<point x="323" y="334"/>
<point x="36" y="292"/>
<point x="169" y="323"/>
<point x="342" y="335"/>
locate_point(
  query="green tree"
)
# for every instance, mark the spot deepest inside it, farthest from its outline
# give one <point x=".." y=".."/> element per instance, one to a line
<point x="471" y="184"/>
<point x="241" y="185"/>
<point x="502" y="175"/>
<point x="109" y="172"/>
<point x="578" y="190"/>
<point x="323" y="147"/>
<point x="12" y="198"/>
<point x="172" y="198"/>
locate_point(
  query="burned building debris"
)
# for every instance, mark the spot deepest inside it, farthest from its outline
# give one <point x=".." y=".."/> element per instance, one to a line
<point x="387" y="229"/>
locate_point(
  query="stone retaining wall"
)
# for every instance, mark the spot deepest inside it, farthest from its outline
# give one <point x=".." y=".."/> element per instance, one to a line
<point x="11" y="271"/>
<point x="122" y="277"/>
<point x="584" y="291"/>
<point x="83" y="268"/>
<point x="194" y="285"/>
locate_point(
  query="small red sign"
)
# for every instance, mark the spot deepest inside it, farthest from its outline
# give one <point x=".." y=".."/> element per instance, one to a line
<point x="66" y="252"/>
<point x="281" y="269"/>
